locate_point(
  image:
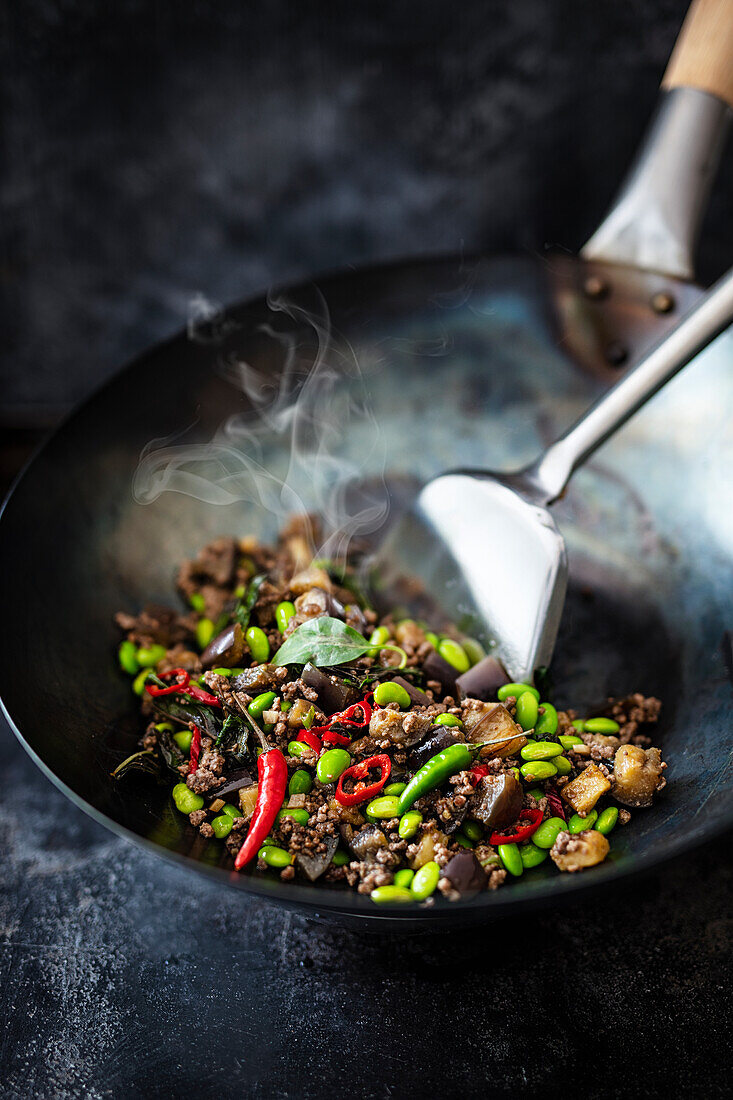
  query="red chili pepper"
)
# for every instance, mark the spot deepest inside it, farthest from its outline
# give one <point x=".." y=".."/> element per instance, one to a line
<point x="330" y="737"/>
<point x="363" y="791"/>
<point x="309" y="738"/>
<point x="478" y="771"/>
<point x="272" y="775"/>
<point x="195" y="749"/>
<point x="554" y="799"/>
<point x="203" y="696"/>
<point x="535" y="820"/>
<point x="346" y="717"/>
<point x="180" y="683"/>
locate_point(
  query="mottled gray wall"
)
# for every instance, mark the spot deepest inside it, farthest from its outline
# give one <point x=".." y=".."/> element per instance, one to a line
<point x="155" y="150"/>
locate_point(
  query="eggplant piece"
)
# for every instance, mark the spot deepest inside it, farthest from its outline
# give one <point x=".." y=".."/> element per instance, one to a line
<point x="427" y="847"/>
<point x="483" y="680"/>
<point x="316" y="602"/>
<point x="257" y="679"/>
<point x="501" y="799"/>
<point x="367" y="842"/>
<point x="313" y="866"/>
<point x="401" y="728"/>
<point x="333" y="694"/>
<point x="638" y="775"/>
<point x="235" y="782"/>
<point x="226" y="649"/>
<point x="418" y="697"/>
<point x="465" y="873"/>
<point x="441" y="739"/>
<point x="437" y="668"/>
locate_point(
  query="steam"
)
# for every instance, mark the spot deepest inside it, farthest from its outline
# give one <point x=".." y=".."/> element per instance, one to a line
<point x="304" y="447"/>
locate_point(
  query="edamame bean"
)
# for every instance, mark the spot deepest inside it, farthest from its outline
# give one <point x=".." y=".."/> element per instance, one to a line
<point x="541" y="750"/>
<point x="340" y="858"/>
<point x="432" y="638"/>
<point x="473" y="650"/>
<point x="183" y="739"/>
<point x="531" y="855"/>
<point x="536" y="793"/>
<point x="409" y="824"/>
<point x="394" y="788"/>
<point x="283" y="614"/>
<point x="578" y="824"/>
<point x="222" y="826"/>
<point x="379" y="637"/>
<point x="538" y="769"/>
<point x="138" y="684"/>
<point x="127" y="654"/>
<point x="197" y="602"/>
<point x="547" y="721"/>
<point x="404" y="877"/>
<point x="463" y="841"/>
<point x="511" y="859"/>
<point x="568" y="740"/>
<point x="257" y="644"/>
<point x="447" y="720"/>
<point x="601" y="725"/>
<point x="516" y="690"/>
<point x="383" y="807"/>
<point x="579" y="725"/>
<point x="204" y="632"/>
<point x="300" y="816"/>
<point x="331" y="764"/>
<point x="391" y="895"/>
<point x="162" y="726"/>
<point x="473" y="830"/>
<point x="260" y="704"/>
<point x="274" y="856"/>
<point x="546" y="835"/>
<point x="425" y="881"/>
<point x="454" y="654"/>
<point x="186" y="801"/>
<point x="300" y="782"/>
<point x="607" y="820"/>
<point x="527" y="707"/>
<point x="297" y="748"/>
<point x="563" y="765"/>
<point x="150" y="655"/>
<point x="285" y="706"/>
<point x="387" y="692"/>
<point x="231" y="811"/>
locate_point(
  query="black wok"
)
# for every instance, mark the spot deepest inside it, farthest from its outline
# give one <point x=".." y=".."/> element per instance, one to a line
<point x="464" y="363"/>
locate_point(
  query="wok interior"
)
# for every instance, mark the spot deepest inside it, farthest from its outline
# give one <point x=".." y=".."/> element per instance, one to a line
<point x="462" y="368"/>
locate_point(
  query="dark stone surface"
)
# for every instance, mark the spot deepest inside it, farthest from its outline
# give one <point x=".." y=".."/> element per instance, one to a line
<point x="153" y="152"/>
<point x="123" y="976"/>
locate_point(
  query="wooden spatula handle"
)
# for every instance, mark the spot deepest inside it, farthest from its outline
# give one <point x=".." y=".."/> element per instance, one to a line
<point x="703" y="55"/>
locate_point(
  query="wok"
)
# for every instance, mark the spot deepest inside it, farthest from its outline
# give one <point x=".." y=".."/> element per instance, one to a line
<point x="465" y="363"/>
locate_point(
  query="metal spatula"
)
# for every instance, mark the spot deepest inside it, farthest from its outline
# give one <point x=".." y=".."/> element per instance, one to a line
<point x="485" y="545"/>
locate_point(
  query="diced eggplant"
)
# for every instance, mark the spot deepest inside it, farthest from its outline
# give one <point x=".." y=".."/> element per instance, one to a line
<point x="333" y="694"/>
<point x="574" y="852"/>
<point x="417" y="697"/>
<point x="314" y="577"/>
<point x="585" y="790"/>
<point x="257" y="679"/>
<point x="638" y="774"/>
<point x="437" y="668"/>
<point x="500" y="800"/>
<point x="492" y="723"/>
<point x="483" y="680"/>
<point x="441" y="739"/>
<point x="427" y="847"/>
<point x="465" y="873"/>
<point x="225" y="649"/>
<point x="403" y="729"/>
<point x="236" y="781"/>
<point x="313" y="866"/>
<point x="316" y="602"/>
<point x="354" y="617"/>
<point x="367" y="842"/>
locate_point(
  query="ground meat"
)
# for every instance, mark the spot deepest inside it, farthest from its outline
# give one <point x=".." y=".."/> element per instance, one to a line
<point x="634" y="711"/>
<point x="179" y="657"/>
<point x="206" y="830"/>
<point x="156" y="625"/>
<point x="197" y="817"/>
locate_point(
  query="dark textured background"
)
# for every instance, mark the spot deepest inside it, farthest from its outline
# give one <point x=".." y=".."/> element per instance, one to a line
<point x="155" y="151"/>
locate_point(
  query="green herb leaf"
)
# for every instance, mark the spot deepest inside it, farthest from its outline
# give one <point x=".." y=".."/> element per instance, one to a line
<point x="243" y="608"/>
<point x="145" y="761"/>
<point x="322" y="641"/>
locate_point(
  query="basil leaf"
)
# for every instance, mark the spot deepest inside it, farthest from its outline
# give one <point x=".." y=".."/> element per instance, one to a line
<point x="322" y="641"/>
<point x="243" y="607"/>
<point x="203" y="715"/>
<point x="145" y="761"/>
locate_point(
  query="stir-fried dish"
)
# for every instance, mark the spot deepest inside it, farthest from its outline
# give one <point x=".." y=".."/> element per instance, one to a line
<point x="316" y="739"/>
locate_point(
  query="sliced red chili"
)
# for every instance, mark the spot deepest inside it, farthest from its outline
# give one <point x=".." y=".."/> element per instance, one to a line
<point x="362" y="791"/>
<point x="330" y="737"/>
<point x="195" y="749"/>
<point x="180" y="683"/>
<point x="309" y="738"/>
<point x="478" y="771"/>
<point x="524" y="833"/>
<point x="348" y="717"/>
<point x="203" y="696"/>
<point x="556" y="805"/>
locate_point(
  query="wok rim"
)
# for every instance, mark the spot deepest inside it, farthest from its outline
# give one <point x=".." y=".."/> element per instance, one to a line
<point x="337" y="903"/>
